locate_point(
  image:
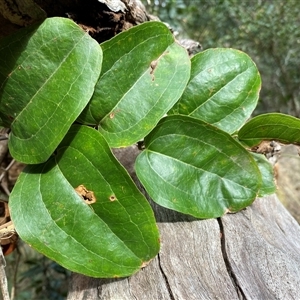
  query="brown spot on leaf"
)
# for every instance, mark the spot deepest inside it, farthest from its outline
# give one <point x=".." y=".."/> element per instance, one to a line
<point x="113" y="113"/>
<point x="112" y="198"/>
<point x="154" y="63"/>
<point x="87" y="196"/>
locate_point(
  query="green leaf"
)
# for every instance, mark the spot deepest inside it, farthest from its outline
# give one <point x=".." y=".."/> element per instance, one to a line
<point x="144" y="73"/>
<point x="47" y="76"/>
<point x="273" y="126"/>
<point x="114" y="237"/>
<point x="223" y="89"/>
<point x="268" y="185"/>
<point x="195" y="168"/>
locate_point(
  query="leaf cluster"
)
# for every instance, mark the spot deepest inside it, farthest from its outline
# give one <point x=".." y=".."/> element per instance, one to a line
<point x="69" y="100"/>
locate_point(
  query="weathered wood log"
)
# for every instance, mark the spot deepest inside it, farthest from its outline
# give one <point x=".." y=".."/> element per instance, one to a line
<point x="287" y="168"/>
<point x="253" y="254"/>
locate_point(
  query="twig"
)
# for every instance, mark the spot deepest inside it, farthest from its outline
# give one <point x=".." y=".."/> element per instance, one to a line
<point x="7" y="168"/>
<point x="3" y="278"/>
<point x="3" y="183"/>
<point x="13" y="288"/>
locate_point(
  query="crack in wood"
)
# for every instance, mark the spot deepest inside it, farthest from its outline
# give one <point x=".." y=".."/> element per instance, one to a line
<point x="99" y="291"/>
<point x="229" y="269"/>
<point x="165" y="278"/>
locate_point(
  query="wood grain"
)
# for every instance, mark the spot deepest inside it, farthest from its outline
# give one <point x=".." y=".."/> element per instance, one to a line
<point x="262" y="244"/>
<point x="253" y="254"/>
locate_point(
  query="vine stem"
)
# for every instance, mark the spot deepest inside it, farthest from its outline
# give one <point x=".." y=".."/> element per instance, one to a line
<point x="3" y="278"/>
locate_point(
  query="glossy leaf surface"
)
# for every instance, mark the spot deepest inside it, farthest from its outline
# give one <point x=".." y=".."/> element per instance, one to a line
<point x="223" y="89"/>
<point x="47" y="76"/>
<point x="114" y="237"/>
<point x="195" y="168"/>
<point x="144" y="73"/>
<point x="268" y="185"/>
<point x="273" y="126"/>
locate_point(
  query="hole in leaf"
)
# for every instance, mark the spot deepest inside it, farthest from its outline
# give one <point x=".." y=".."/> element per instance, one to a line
<point x="87" y="196"/>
